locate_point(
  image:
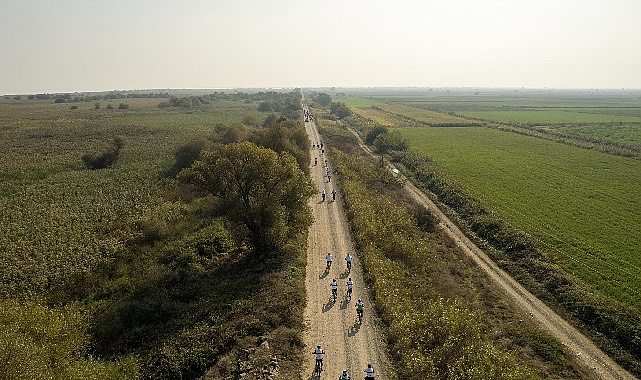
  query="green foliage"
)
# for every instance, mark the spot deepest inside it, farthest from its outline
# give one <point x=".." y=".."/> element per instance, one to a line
<point x="38" y="342"/>
<point x="390" y="140"/>
<point x="194" y="301"/>
<point x="548" y="116"/>
<point x="107" y="157"/>
<point x="518" y="253"/>
<point x="264" y="191"/>
<point x="186" y="155"/>
<point x="99" y="240"/>
<point x="561" y="196"/>
<point x="373" y="134"/>
<point x="285" y="136"/>
<point x="323" y="99"/>
<point x="340" y="110"/>
<point x="429" y="337"/>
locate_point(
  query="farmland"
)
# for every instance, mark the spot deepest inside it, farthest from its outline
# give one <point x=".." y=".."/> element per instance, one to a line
<point x="548" y="181"/>
<point x="550" y="116"/>
<point x="591" y="119"/>
<point x="583" y="206"/>
<point x="109" y="273"/>
<point x="392" y="113"/>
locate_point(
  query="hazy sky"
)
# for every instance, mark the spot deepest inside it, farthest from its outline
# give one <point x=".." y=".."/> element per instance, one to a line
<point x="86" y="45"/>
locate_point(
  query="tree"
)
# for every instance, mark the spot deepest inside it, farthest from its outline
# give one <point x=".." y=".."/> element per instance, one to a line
<point x="265" y="192"/>
<point x="323" y="99"/>
<point x="340" y="110"/>
<point x="286" y="136"/>
<point x="186" y="155"/>
<point x="373" y="134"/>
<point x="390" y="141"/>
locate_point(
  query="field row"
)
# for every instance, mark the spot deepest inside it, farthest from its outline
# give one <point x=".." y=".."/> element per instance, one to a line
<point x="550" y="116"/>
<point x="422" y="116"/>
<point x="582" y="205"/>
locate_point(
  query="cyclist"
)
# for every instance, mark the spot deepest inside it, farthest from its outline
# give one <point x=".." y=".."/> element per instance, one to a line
<point x="329" y="259"/>
<point x="359" y="309"/>
<point x="348" y="259"/>
<point x="344" y="376"/>
<point x="369" y="372"/>
<point x="350" y="285"/>
<point x="319" y="356"/>
<point x="334" y="286"/>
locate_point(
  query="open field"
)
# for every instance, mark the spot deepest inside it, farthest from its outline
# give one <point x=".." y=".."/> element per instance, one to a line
<point x="111" y="273"/>
<point x="611" y="116"/>
<point x="583" y="206"/>
<point x="400" y="111"/>
<point x="552" y="116"/>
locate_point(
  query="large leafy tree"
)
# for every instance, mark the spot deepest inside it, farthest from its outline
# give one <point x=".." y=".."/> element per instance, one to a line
<point x="262" y="190"/>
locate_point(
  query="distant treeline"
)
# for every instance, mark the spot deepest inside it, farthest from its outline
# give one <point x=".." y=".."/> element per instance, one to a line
<point x="265" y="96"/>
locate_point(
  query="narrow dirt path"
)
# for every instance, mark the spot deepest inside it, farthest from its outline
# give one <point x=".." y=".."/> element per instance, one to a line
<point x="587" y="356"/>
<point x="333" y="325"/>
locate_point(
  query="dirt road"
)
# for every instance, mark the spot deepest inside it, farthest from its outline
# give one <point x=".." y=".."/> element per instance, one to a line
<point x="589" y="359"/>
<point x="333" y="325"/>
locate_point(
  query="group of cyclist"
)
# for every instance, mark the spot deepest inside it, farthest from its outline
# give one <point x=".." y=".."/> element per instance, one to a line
<point x="320" y="145"/>
<point x="319" y="352"/>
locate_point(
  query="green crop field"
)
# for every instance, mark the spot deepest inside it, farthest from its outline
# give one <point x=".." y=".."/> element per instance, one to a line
<point x="399" y="110"/>
<point x="63" y="225"/>
<point x="550" y="116"/>
<point x="629" y="133"/>
<point x="584" y="207"/>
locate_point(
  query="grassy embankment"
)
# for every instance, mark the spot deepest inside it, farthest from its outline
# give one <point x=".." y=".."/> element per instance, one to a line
<point x="580" y="205"/>
<point x="117" y="273"/>
<point x="442" y="318"/>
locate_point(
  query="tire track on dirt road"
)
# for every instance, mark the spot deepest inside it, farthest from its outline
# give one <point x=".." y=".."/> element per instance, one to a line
<point x="587" y="356"/>
<point x="333" y="325"/>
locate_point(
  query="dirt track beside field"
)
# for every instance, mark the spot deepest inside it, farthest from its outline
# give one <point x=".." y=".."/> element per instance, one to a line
<point x="589" y="359"/>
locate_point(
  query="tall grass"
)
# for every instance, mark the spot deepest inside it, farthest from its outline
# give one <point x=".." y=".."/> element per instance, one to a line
<point x="430" y="337"/>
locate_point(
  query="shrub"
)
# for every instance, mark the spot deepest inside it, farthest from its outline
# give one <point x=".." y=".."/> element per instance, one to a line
<point x="186" y="155"/>
<point x="105" y="158"/>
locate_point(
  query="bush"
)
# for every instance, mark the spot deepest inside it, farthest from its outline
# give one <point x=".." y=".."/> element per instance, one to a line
<point x="430" y="337"/>
<point x="123" y="106"/>
<point x="186" y="155"/>
<point x="106" y="158"/>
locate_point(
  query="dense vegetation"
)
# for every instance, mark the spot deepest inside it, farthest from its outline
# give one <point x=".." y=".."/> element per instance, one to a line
<point x="440" y="321"/>
<point x="126" y="272"/>
<point x="577" y="208"/>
